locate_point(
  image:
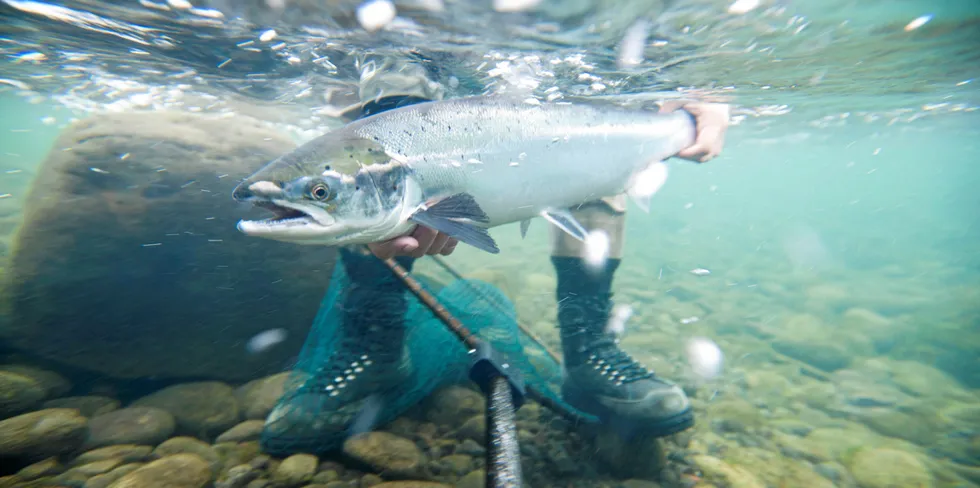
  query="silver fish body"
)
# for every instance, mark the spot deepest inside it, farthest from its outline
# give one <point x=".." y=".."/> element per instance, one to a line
<point x="513" y="161"/>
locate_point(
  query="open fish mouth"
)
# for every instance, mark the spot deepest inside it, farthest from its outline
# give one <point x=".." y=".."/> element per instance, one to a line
<point x="287" y="217"/>
<point x="283" y="215"/>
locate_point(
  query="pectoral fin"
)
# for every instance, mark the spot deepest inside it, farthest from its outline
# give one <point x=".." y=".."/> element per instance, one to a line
<point x="564" y="220"/>
<point x="457" y="216"/>
<point x="645" y="183"/>
<point x="525" y="225"/>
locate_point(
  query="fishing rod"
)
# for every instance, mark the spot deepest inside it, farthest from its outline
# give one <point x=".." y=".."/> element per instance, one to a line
<point x="502" y="385"/>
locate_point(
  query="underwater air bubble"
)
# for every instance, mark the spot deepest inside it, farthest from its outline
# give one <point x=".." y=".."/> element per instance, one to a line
<point x="514" y="5"/>
<point x="705" y="357"/>
<point x="630" y="51"/>
<point x="918" y="22"/>
<point x="596" y="249"/>
<point x="616" y="325"/>
<point x="743" y="6"/>
<point x="265" y="339"/>
<point x="375" y="14"/>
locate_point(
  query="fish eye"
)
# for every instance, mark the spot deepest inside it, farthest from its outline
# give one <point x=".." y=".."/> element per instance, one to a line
<point x="320" y="192"/>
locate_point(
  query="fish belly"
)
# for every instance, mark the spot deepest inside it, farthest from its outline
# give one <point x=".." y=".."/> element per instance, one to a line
<point x="519" y="184"/>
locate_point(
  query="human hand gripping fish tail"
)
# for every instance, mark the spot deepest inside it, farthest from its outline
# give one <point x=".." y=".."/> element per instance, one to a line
<point x="418" y="179"/>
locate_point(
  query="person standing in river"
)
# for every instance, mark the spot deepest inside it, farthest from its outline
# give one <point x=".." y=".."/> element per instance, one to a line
<point x="602" y="379"/>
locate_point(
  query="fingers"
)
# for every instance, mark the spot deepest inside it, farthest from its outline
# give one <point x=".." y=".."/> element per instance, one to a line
<point x="399" y="246"/>
<point x="438" y="244"/>
<point x="426" y="237"/>
<point x="433" y="243"/>
<point x="449" y="247"/>
<point x="712" y="122"/>
<point x="707" y="145"/>
<point x="422" y="241"/>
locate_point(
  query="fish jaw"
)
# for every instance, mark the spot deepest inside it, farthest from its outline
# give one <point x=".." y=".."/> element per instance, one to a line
<point x="292" y="223"/>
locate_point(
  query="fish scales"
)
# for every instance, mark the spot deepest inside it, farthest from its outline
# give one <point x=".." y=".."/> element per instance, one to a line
<point x="517" y="159"/>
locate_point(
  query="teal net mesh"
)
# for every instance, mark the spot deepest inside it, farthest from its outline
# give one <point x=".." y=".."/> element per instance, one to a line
<point x="329" y="394"/>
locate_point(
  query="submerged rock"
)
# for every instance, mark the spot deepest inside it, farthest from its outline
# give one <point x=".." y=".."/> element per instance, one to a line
<point x="203" y="409"/>
<point x="237" y="477"/>
<point x="44" y="433"/>
<point x="889" y="468"/>
<point x="258" y="397"/>
<point x="640" y="457"/>
<point x="922" y="380"/>
<point x="190" y="445"/>
<point x="386" y="453"/>
<point x="18" y="393"/>
<point x="129" y="263"/>
<point x="47" y="467"/>
<point x="892" y="423"/>
<point x="719" y="472"/>
<point x="96" y="467"/>
<point x="823" y="354"/>
<point x="177" y="471"/>
<point x="249" y="430"/>
<point x="89" y="406"/>
<point x="132" y="425"/>
<point x="296" y="470"/>
<point x="474" y="479"/>
<point x="832" y="443"/>
<point x="967" y="415"/>
<point x="104" y="480"/>
<point x="772" y="469"/>
<point x="127" y="453"/>
<point x="243" y="452"/>
<point x="54" y="384"/>
<point x="453" y="405"/>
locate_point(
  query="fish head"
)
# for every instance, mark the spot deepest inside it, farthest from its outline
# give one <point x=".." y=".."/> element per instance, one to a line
<point x="334" y="190"/>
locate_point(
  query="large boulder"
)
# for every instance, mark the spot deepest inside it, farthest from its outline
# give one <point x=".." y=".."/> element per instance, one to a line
<point x="129" y="264"/>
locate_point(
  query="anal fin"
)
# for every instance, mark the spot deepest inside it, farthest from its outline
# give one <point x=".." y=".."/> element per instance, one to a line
<point x="645" y="183"/>
<point x="457" y="216"/>
<point x="564" y="220"/>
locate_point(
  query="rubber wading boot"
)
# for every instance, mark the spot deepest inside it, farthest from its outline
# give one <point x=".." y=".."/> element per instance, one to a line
<point x="368" y="356"/>
<point x="372" y="353"/>
<point x="601" y="378"/>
